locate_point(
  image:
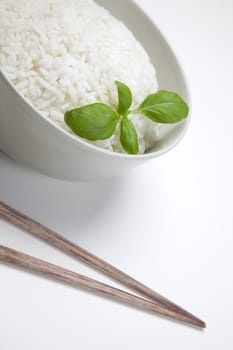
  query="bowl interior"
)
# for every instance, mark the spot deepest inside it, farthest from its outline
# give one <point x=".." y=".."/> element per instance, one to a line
<point x="169" y="73"/>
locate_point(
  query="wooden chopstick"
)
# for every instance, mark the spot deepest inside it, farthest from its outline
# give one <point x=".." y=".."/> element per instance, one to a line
<point x="36" y="265"/>
<point x="23" y="222"/>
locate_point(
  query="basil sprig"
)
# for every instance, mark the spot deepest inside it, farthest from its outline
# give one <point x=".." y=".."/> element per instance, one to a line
<point x="125" y="98"/>
<point x="163" y="107"/>
<point x="98" y="121"/>
<point x="129" y="137"/>
<point x="92" y="122"/>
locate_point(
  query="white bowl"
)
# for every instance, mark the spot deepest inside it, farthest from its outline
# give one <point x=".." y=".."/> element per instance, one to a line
<point x="30" y="138"/>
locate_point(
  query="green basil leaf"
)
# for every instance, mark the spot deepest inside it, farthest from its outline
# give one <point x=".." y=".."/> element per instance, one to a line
<point x="124" y="98"/>
<point x="92" y="122"/>
<point x="129" y="137"/>
<point x="164" y="107"/>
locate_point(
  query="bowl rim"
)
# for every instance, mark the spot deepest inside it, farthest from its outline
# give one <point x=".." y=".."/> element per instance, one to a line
<point x="90" y="147"/>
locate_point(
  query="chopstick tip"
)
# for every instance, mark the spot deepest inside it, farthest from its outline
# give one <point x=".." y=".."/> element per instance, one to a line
<point x="201" y="324"/>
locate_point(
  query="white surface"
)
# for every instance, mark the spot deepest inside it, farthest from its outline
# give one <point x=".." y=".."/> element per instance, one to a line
<point x="168" y="223"/>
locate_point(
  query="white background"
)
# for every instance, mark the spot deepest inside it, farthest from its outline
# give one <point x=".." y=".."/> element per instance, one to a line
<point x="169" y="223"/>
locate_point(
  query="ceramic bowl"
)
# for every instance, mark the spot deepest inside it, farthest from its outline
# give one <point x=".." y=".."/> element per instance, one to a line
<point x="31" y="139"/>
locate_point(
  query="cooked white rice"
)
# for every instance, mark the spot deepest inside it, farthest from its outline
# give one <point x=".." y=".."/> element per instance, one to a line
<point x="65" y="54"/>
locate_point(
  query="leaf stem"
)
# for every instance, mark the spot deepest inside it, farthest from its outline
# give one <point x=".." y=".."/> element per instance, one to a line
<point x="134" y="111"/>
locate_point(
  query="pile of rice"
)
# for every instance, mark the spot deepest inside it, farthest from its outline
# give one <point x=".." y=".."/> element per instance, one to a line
<point x="65" y="54"/>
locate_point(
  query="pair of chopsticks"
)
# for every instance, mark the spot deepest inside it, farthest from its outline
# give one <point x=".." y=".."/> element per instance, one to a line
<point x="157" y="302"/>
